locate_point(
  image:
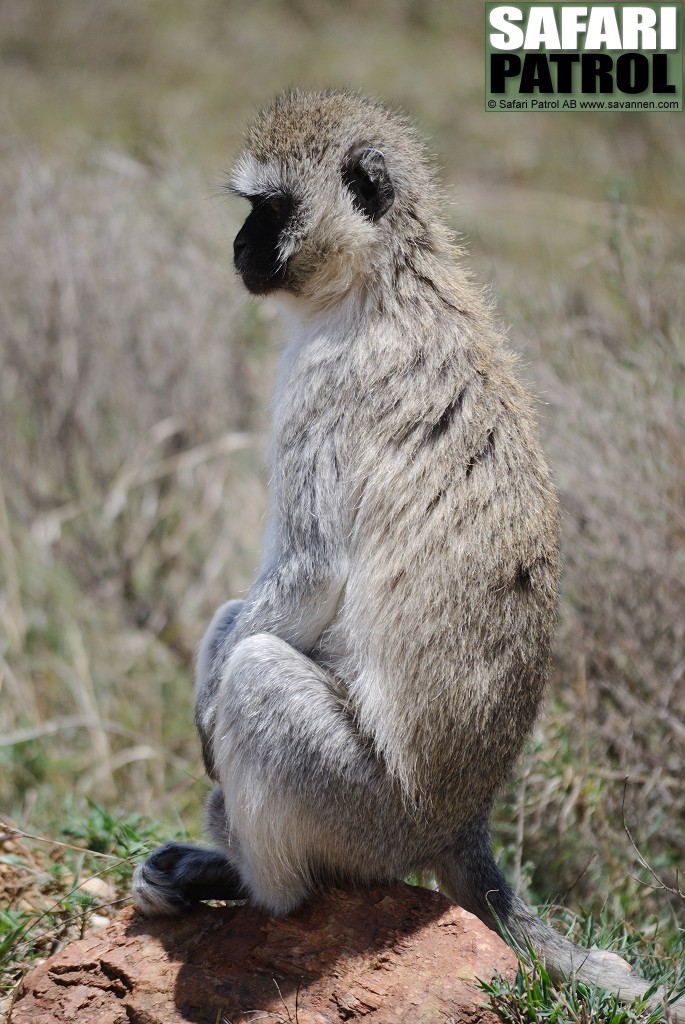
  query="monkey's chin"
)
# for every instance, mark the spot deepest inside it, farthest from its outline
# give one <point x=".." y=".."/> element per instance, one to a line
<point x="257" y="284"/>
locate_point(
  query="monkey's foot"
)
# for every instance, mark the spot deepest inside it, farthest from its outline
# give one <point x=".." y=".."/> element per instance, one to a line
<point x="177" y="876"/>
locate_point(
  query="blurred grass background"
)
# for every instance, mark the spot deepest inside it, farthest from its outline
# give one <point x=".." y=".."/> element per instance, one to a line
<point x="134" y="388"/>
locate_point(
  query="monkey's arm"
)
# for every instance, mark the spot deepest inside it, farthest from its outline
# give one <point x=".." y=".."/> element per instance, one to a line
<point x="286" y="601"/>
<point x="298" y="588"/>
<point x="301" y="582"/>
<point x="295" y="599"/>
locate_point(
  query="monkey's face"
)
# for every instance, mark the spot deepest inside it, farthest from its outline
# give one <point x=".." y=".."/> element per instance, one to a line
<point x="319" y="183"/>
<point x="302" y="239"/>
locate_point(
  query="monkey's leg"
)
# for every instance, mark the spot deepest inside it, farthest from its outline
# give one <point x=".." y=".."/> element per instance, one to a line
<point x="177" y="875"/>
<point x="216" y="639"/>
<point x="468" y="874"/>
<point x="216" y="636"/>
<point x="300" y="800"/>
<point x="305" y="797"/>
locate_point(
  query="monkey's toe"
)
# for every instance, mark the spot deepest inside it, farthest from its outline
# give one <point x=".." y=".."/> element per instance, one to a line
<point x="156" y="895"/>
<point x="177" y="876"/>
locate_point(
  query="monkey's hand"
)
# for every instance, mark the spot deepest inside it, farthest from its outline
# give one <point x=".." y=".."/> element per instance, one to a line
<point x="177" y="876"/>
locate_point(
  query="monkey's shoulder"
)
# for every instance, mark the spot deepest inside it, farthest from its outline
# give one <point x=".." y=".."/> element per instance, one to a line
<point x="457" y="458"/>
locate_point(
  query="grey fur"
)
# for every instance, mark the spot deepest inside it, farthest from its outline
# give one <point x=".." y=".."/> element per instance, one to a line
<point x="361" y="708"/>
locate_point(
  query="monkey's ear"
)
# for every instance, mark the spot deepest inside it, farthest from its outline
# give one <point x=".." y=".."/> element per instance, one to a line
<point x="367" y="178"/>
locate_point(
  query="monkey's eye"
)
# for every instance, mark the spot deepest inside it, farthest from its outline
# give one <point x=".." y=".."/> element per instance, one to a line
<point x="280" y="207"/>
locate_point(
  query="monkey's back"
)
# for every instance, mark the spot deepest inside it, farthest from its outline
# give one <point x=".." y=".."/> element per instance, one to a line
<point x="452" y="587"/>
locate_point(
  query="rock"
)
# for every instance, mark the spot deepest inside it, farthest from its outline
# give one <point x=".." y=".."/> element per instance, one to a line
<point x="99" y="888"/>
<point x="396" y="955"/>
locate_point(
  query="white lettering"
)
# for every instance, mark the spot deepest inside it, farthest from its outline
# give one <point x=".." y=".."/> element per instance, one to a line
<point x="542" y="29"/>
<point x="638" y="28"/>
<point x="669" y="39"/>
<point x="509" y="37"/>
<point x="602" y="28"/>
<point x="571" y="26"/>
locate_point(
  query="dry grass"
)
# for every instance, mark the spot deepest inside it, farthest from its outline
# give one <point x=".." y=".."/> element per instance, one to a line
<point x="131" y="491"/>
<point x="607" y="349"/>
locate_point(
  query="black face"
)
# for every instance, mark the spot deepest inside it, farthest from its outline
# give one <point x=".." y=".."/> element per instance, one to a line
<point x="255" y="250"/>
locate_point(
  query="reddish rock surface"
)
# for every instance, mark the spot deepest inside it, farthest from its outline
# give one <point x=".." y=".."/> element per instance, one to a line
<point x="398" y="955"/>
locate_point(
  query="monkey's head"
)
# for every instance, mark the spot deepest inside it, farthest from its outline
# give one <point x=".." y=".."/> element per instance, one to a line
<point x="335" y="181"/>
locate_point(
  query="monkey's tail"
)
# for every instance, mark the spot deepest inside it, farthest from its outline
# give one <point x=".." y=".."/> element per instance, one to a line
<point x="469" y="875"/>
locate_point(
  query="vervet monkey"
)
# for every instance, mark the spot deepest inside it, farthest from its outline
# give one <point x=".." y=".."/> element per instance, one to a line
<point x="360" y="709"/>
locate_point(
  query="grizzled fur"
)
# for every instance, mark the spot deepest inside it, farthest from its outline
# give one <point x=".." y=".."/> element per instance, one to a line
<point x="361" y="707"/>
